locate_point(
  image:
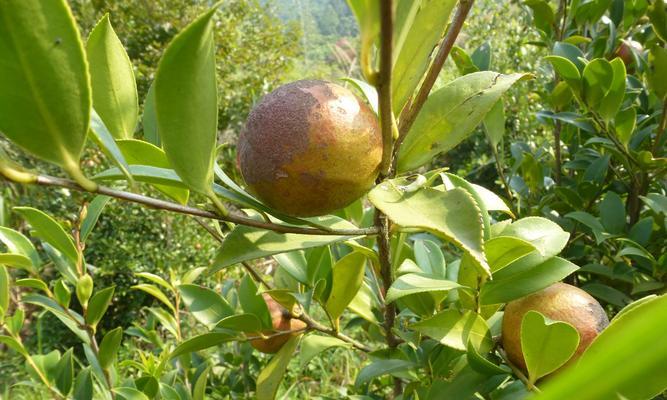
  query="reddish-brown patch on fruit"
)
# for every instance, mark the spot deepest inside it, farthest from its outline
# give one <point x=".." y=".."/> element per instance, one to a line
<point x="559" y="302"/>
<point x="309" y="148"/>
<point x="282" y="322"/>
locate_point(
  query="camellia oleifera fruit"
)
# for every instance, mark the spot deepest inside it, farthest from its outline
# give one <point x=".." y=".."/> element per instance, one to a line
<point x="309" y="148"/>
<point x="281" y="320"/>
<point x="558" y="302"/>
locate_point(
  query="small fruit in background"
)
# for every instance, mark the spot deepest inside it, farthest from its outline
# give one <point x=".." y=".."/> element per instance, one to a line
<point x="310" y="147"/>
<point x="627" y="50"/>
<point x="282" y="321"/>
<point x="559" y="302"/>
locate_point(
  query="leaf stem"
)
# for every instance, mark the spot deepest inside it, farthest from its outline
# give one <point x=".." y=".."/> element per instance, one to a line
<point x="237" y="218"/>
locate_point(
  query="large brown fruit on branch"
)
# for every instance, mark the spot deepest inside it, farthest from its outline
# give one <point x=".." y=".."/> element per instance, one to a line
<point x="309" y="148"/>
<point x="559" y="302"/>
<point x="281" y="321"/>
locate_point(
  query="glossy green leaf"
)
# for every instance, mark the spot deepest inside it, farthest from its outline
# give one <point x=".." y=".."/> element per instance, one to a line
<point x="546" y="345"/>
<point x="464" y="63"/>
<point x="157" y="293"/>
<point x="494" y="124"/>
<point x="13" y="344"/>
<point x="32" y="283"/>
<point x="451" y="181"/>
<point x="138" y="152"/>
<point x="45" y="102"/>
<point x="429" y="257"/>
<point x="367" y="13"/>
<point x="109" y="347"/>
<point x="597" y="77"/>
<point x="414" y="56"/>
<point x="612" y="213"/>
<point x="149" y="120"/>
<point x="482" y="365"/>
<point x="547" y="236"/>
<point x="571" y="53"/>
<point x="65" y="372"/>
<point x="98" y="305"/>
<point x="201" y="342"/>
<point x="450" y="114"/>
<point x="129" y="393"/>
<point x="592" y="222"/>
<point x="657" y="13"/>
<point x="295" y="264"/>
<point x="409" y="284"/>
<point x="543" y="15"/>
<point x="313" y="345"/>
<point x="93" y="213"/>
<point x="16" y="261"/>
<point x="166" y="319"/>
<point x="241" y="322"/>
<point x="623" y="359"/>
<point x="48" y="229"/>
<point x="247" y="243"/>
<point x="624" y="124"/>
<point x="102" y="137"/>
<point x="568" y="71"/>
<point x="445" y="214"/>
<point x="270" y="377"/>
<point x="205" y="305"/>
<point x="112" y="79"/>
<point x="348" y="275"/>
<point x="504" y="250"/>
<point x="72" y="320"/>
<point x="186" y="103"/>
<point x="83" y="385"/>
<point x="253" y="303"/>
<point x="525" y="280"/>
<point x="369" y="92"/>
<point x="364" y="303"/>
<point x="455" y="329"/>
<point x="62" y="293"/>
<point x="199" y="390"/>
<point x="658" y="68"/>
<point x="380" y="368"/>
<point x="156" y="279"/>
<point x="5" y="282"/>
<point x="612" y="101"/>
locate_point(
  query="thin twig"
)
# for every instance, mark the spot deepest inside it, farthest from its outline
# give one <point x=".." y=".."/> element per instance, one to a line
<point x="518" y="373"/>
<point x="236" y="218"/>
<point x="410" y="113"/>
<point x="383" y="84"/>
<point x="314" y="325"/>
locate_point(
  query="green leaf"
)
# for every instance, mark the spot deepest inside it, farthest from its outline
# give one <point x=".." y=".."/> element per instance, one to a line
<point x="546" y="345"/>
<point x="19" y="244"/>
<point x="348" y="275"/>
<point x="625" y="123"/>
<point x="381" y="367"/>
<point x="658" y="66"/>
<point x="16" y="261"/>
<point x="598" y="77"/>
<point x="253" y="302"/>
<point x="657" y="12"/>
<point x="464" y="63"/>
<point x="83" y="385"/>
<point x="207" y="306"/>
<point x="241" y="323"/>
<point x="112" y="79"/>
<point x="455" y="329"/>
<point x="157" y="293"/>
<point x="524" y="277"/>
<point x="130" y="393"/>
<point x="482" y="365"/>
<point x="106" y="142"/>
<point x="612" y="213"/>
<point x="451" y="215"/>
<point x="494" y="124"/>
<point x="32" y="283"/>
<point x="591" y="222"/>
<point x="295" y="264"/>
<point x="547" y="236"/>
<point x="367" y="13"/>
<point x="138" y="152"/>
<point x="543" y="15"/>
<point x="363" y="304"/>
<point x="45" y="100"/>
<point x="95" y="209"/>
<point x="166" y="319"/>
<point x="612" y="101"/>
<point x="623" y="360"/>
<point x="312" y="345"/>
<point x="65" y="372"/>
<point x="369" y="92"/>
<point x="504" y="250"/>
<point x="450" y="114"/>
<point x="245" y="243"/>
<point x="568" y="72"/>
<point x="13" y="344"/>
<point x="414" y="56"/>
<point x="415" y="283"/>
<point x="5" y="282"/>
<point x="49" y="230"/>
<point x="109" y="347"/>
<point x="98" y="305"/>
<point x="270" y="377"/>
<point x="186" y="103"/>
<point x="149" y="120"/>
<point x="429" y="257"/>
<point x="201" y="342"/>
<point x="156" y="279"/>
<point x="571" y="53"/>
<point x="199" y="390"/>
<point x="72" y="320"/>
